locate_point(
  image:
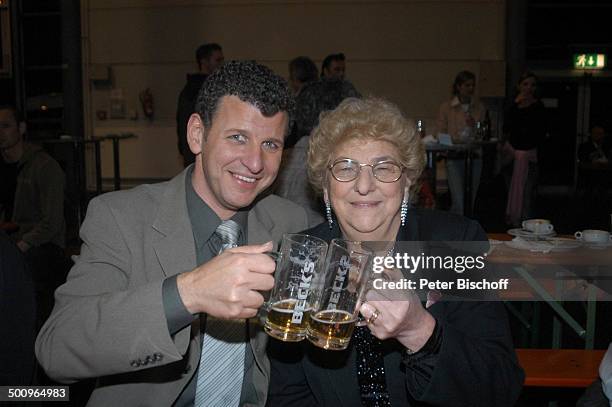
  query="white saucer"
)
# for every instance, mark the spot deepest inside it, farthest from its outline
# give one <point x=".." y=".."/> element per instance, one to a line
<point x="564" y="243"/>
<point x="529" y="234"/>
<point x="549" y="244"/>
<point x="597" y="245"/>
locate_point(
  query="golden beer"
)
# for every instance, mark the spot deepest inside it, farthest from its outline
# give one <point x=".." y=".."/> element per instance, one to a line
<point x="281" y="321"/>
<point x="331" y="329"/>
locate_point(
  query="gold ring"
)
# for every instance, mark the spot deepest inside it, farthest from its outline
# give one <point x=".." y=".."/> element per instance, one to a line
<point x="374" y="316"/>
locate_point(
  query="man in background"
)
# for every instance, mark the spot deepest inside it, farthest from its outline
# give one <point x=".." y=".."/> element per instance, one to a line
<point x="596" y="150"/>
<point x="595" y="177"/>
<point x="32" y="197"/>
<point x="208" y="57"/>
<point x="334" y="66"/>
<point x="314" y="98"/>
<point x="302" y="70"/>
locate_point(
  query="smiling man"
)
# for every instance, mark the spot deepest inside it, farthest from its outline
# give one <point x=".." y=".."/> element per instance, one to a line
<point x="157" y="306"/>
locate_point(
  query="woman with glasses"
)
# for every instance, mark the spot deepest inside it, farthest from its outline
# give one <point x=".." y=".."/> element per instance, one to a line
<point x="364" y="158"/>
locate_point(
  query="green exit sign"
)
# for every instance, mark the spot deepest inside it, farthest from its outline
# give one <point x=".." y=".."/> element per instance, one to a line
<point x="589" y="61"/>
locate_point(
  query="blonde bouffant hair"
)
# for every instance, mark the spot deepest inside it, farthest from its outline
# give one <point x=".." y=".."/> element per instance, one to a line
<point x="368" y="119"/>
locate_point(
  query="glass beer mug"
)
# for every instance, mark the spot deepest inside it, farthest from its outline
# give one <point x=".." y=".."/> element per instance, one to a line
<point x="299" y="267"/>
<point x="337" y="300"/>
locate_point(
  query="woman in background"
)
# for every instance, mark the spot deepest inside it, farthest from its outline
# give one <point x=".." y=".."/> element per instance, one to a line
<point x="524" y="129"/>
<point x="458" y="117"/>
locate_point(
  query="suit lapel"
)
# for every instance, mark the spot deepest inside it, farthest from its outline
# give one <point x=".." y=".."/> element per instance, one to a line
<point x="258" y="233"/>
<point x="174" y="245"/>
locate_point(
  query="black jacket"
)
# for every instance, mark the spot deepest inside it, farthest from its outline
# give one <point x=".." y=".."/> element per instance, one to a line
<point x="476" y="364"/>
<point x="186" y="106"/>
<point x="17" y="317"/>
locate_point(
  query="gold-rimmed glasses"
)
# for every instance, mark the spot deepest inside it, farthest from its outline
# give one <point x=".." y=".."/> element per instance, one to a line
<point x="346" y="170"/>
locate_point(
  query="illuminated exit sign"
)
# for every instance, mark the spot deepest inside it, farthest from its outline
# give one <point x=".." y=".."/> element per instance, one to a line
<point x="589" y="61"/>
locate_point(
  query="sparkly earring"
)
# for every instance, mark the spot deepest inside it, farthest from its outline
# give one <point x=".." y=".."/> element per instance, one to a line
<point x="328" y="213"/>
<point x="404" y="210"/>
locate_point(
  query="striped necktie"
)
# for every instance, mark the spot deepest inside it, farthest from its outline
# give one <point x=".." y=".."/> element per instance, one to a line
<point x="221" y="369"/>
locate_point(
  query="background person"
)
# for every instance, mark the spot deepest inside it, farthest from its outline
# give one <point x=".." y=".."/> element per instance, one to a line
<point x="302" y="70"/>
<point x="457" y="117"/>
<point x="599" y="393"/>
<point x="525" y="126"/>
<point x="315" y="98"/>
<point x="334" y="66"/>
<point x="595" y="178"/>
<point x="32" y="196"/>
<point x="596" y="150"/>
<point x="365" y="157"/>
<point x="209" y="57"/>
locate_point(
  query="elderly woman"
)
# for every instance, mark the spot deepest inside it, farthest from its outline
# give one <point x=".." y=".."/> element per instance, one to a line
<point x="365" y="157"/>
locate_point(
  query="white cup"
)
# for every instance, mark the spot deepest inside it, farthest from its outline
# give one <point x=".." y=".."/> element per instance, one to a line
<point x="593" y="236"/>
<point x="538" y="226"/>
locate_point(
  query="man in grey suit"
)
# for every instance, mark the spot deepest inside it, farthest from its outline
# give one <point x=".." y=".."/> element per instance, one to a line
<point x="138" y="309"/>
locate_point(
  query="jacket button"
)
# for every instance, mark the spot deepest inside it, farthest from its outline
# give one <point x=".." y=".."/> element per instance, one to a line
<point x="149" y="359"/>
<point x="158" y="356"/>
<point x="134" y="363"/>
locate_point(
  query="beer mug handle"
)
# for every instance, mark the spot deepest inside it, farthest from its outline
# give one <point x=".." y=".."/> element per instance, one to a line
<point x="361" y="320"/>
<point x="276" y="256"/>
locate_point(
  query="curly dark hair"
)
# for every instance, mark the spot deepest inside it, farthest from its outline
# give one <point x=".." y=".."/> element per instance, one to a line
<point x="303" y="69"/>
<point x="252" y="83"/>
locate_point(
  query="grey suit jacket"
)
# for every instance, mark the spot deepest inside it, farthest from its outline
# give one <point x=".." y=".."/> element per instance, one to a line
<point x="109" y="322"/>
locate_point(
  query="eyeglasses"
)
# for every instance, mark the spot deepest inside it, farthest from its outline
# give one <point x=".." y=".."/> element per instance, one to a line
<point x="346" y="170"/>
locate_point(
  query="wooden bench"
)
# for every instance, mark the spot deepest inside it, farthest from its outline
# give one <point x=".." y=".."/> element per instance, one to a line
<point x="560" y="367"/>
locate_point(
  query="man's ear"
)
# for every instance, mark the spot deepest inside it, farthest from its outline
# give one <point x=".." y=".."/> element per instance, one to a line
<point x="195" y="133"/>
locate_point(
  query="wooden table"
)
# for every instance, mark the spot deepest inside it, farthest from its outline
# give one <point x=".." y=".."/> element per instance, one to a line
<point x="467" y="149"/>
<point x="532" y="267"/>
<point x="560" y="367"/>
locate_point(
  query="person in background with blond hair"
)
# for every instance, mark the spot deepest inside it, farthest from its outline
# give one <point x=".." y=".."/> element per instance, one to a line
<point x="458" y="117"/>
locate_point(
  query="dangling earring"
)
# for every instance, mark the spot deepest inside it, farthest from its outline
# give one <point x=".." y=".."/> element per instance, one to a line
<point x="328" y="213"/>
<point x="404" y="210"/>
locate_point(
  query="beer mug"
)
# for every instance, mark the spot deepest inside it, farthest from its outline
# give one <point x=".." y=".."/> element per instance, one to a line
<point x="300" y="264"/>
<point x="337" y="300"/>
